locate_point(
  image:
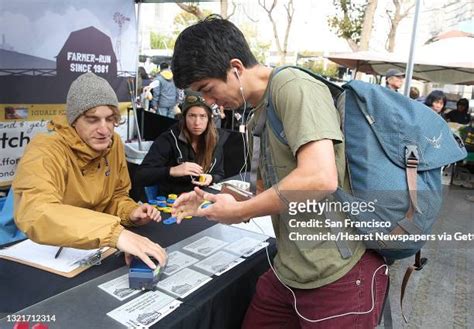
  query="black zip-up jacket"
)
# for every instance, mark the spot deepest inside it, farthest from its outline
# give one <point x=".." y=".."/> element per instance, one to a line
<point x="164" y="154"/>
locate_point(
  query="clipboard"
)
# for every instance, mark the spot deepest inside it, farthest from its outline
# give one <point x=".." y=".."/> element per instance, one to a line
<point x="46" y="261"/>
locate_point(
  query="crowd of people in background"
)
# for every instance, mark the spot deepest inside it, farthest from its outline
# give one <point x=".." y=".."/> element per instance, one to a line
<point x="436" y="99"/>
<point x="160" y="95"/>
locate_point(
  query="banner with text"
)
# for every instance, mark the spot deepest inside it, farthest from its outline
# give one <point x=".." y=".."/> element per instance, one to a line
<point x="36" y="69"/>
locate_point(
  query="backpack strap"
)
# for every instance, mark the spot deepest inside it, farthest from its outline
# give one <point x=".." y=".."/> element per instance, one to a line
<point x="407" y="225"/>
<point x="419" y="263"/>
<point x="277" y="128"/>
<point x="342" y="246"/>
<point x="411" y="162"/>
<point x="257" y="133"/>
<point x="273" y="120"/>
<point x="386" y="313"/>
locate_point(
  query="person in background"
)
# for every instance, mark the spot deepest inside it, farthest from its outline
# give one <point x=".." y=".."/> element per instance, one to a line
<point x="436" y="100"/>
<point x="414" y="93"/>
<point x="218" y="116"/>
<point x="461" y="113"/>
<point x="71" y="187"/>
<point x="180" y="155"/>
<point x="142" y="81"/>
<point x="324" y="282"/>
<point x="149" y="66"/>
<point x="394" y="79"/>
<point x="165" y="94"/>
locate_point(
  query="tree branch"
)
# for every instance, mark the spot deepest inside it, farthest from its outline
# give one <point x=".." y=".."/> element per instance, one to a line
<point x="234" y="7"/>
<point x="407" y="11"/>
<point x="192" y="9"/>
<point x="290" y="11"/>
<point x="248" y="16"/>
<point x="352" y="44"/>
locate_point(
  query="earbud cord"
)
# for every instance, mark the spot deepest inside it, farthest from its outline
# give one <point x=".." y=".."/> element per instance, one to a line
<point x="179" y="150"/>
<point x="332" y="316"/>
<point x="181" y="155"/>
<point x="245" y="135"/>
<point x="176" y="142"/>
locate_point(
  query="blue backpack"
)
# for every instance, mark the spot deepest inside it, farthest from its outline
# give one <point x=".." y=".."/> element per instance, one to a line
<point x="395" y="148"/>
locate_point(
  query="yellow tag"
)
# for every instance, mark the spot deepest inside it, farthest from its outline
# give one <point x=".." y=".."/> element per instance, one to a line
<point x="202" y="178"/>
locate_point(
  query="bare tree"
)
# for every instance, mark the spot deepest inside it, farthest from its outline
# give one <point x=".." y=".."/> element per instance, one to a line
<point x="225" y="9"/>
<point x="402" y="9"/>
<point x="367" y="24"/>
<point x="193" y="8"/>
<point x="253" y="20"/>
<point x="290" y="11"/>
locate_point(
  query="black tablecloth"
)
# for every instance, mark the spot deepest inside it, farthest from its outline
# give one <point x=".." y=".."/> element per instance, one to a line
<point x="220" y="304"/>
<point x="22" y="286"/>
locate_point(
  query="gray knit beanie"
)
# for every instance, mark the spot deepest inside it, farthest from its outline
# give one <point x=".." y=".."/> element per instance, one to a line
<point x="86" y="92"/>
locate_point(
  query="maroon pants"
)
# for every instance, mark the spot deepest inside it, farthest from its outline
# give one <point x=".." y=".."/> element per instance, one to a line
<point x="273" y="305"/>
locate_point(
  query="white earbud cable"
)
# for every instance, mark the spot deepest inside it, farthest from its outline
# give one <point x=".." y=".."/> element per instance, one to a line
<point x="332" y="316"/>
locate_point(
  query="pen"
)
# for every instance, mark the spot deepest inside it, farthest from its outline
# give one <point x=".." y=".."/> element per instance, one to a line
<point x="59" y="251"/>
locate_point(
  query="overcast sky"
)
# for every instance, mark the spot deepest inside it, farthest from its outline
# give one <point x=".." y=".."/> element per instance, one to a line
<point x="40" y="27"/>
<point x="310" y="29"/>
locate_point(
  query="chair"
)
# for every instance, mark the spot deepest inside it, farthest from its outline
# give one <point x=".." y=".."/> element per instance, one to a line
<point x="468" y="160"/>
<point x="8" y="230"/>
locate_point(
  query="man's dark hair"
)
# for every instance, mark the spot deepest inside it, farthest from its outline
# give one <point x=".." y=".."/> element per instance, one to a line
<point x="204" y="50"/>
<point x="164" y="66"/>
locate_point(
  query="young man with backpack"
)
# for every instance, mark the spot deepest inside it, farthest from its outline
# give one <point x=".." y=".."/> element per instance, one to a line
<point x="312" y="285"/>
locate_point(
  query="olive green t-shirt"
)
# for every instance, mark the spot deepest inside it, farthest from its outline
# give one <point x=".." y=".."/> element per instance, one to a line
<point x="306" y="110"/>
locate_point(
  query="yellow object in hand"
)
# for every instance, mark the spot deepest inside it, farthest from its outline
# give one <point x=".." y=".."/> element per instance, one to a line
<point x="202" y="178"/>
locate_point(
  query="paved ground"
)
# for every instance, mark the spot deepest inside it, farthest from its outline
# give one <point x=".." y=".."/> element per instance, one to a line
<point x="441" y="295"/>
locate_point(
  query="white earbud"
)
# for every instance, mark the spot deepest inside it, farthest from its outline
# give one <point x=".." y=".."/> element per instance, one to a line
<point x="236" y="73"/>
<point x="238" y="78"/>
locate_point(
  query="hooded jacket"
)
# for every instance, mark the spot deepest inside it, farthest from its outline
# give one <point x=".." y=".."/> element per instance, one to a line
<point x="165" y="95"/>
<point x="168" y="150"/>
<point x="68" y="194"/>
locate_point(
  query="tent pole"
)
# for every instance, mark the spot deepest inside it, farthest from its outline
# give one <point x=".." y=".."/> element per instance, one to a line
<point x="134" y="97"/>
<point x="139" y="7"/>
<point x="354" y="74"/>
<point x="410" y="64"/>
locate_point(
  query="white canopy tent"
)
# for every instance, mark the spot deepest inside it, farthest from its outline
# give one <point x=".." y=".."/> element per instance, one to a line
<point x="448" y="61"/>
